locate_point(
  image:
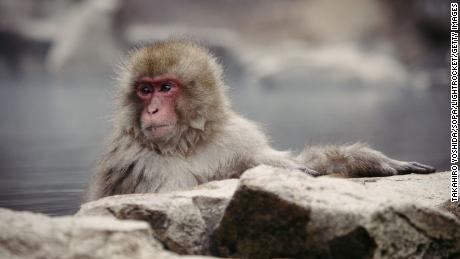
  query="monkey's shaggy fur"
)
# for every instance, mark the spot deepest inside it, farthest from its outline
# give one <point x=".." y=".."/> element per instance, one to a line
<point x="210" y="141"/>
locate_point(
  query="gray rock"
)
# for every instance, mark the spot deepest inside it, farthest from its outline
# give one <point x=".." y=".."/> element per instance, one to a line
<point x="30" y="235"/>
<point x="279" y="213"/>
<point x="182" y="221"/>
<point x="430" y="189"/>
<point x="452" y="207"/>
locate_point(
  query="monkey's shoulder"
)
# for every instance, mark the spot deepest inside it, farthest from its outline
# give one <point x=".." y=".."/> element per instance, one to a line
<point x="241" y="134"/>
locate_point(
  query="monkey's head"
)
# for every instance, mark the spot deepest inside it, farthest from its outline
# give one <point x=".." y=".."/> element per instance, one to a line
<point x="172" y="96"/>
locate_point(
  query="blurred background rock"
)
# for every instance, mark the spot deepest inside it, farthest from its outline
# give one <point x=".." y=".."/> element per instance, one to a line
<point x="311" y="72"/>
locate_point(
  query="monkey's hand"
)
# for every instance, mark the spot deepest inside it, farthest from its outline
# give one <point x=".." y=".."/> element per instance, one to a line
<point x="401" y="167"/>
<point x="357" y="160"/>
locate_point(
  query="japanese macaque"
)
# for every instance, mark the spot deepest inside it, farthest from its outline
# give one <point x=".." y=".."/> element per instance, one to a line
<point x="175" y="128"/>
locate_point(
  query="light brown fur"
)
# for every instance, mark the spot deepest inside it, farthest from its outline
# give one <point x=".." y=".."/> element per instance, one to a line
<point x="211" y="141"/>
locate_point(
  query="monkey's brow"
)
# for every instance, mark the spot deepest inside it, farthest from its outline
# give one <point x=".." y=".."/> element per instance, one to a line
<point x="158" y="79"/>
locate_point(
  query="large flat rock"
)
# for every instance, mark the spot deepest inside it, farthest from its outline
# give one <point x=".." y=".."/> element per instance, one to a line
<point x="430" y="189"/>
<point x="31" y="235"/>
<point x="182" y="221"/>
<point x="279" y="213"/>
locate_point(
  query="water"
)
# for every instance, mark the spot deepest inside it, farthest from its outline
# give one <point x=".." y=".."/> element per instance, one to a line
<point x="52" y="132"/>
<point x="51" y="136"/>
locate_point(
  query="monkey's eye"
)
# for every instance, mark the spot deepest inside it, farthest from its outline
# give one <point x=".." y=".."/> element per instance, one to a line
<point x="144" y="89"/>
<point x="166" y="87"/>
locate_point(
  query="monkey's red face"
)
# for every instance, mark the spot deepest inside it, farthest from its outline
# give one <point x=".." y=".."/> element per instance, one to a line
<point x="158" y="96"/>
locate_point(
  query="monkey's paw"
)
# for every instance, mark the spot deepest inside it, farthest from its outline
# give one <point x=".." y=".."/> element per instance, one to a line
<point x="402" y="167"/>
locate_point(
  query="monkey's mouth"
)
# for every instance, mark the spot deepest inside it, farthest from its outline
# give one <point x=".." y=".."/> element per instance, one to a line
<point x="158" y="131"/>
<point x="152" y="127"/>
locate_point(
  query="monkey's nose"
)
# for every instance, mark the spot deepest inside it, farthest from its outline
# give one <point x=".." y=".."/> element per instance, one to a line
<point x="153" y="111"/>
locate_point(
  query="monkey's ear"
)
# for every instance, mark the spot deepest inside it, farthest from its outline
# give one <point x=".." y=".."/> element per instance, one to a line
<point x="198" y="123"/>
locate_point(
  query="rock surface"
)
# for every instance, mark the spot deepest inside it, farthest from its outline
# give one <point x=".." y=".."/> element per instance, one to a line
<point x="429" y="189"/>
<point x="30" y="235"/>
<point x="452" y="207"/>
<point x="268" y="213"/>
<point x="277" y="213"/>
<point x="182" y="221"/>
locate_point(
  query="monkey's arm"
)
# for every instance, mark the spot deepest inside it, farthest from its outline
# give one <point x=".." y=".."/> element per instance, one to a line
<point x="253" y="148"/>
<point x="282" y="159"/>
<point x="357" y="160"/>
